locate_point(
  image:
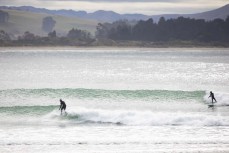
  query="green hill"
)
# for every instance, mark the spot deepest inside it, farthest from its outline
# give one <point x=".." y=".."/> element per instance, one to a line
<point x="21" y="21"/>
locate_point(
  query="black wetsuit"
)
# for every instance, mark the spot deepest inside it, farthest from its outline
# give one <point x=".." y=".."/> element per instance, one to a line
<point x="212" y="96"/>
<point x="62" y="105"/>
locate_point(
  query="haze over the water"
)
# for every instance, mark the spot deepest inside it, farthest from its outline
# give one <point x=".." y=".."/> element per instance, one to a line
<point x="148" y="7"/>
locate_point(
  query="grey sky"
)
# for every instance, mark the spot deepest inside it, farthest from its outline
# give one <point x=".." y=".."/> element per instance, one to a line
<point x="150" y="7"/>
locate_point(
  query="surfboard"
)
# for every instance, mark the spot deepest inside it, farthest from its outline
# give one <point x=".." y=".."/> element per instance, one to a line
<point x="64" y="114"/>
<point x="211" y="105"/>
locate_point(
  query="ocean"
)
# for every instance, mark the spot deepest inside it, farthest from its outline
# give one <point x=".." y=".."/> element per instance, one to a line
<point x="119" y="100"/>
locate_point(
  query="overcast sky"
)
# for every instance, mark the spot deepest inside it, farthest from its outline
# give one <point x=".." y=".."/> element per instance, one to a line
<point x="149" y="7"/>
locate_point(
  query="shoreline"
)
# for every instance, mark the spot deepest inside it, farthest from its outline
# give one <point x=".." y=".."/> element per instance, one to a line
<point x="108" y="43"/>
<point x="112" y="46"/>
<point x="100" y="49"/>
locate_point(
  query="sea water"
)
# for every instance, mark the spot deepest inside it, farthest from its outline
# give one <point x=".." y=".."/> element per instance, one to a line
<point x="118" y="100"/>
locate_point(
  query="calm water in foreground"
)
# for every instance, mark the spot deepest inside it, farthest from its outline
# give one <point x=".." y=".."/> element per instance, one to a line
<point x="118" y="100"/>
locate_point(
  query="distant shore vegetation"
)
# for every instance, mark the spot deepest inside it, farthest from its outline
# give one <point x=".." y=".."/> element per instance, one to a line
<point x="180" y="32"/>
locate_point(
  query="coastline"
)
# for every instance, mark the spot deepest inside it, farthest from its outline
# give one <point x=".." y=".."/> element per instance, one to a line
<point x="108" y="48"/>
<point x="122" y="44"/>
<point x="104" y="49"/>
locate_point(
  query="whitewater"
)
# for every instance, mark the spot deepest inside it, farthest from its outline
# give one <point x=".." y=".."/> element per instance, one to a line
<point x="119" y="100"/>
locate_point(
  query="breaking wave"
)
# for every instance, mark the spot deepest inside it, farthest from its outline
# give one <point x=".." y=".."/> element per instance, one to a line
<point x="117" y="117"/>
<point x="139" y="118"/>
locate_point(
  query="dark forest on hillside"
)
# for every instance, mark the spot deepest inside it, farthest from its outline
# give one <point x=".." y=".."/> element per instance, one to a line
<point x="167" y="30"/>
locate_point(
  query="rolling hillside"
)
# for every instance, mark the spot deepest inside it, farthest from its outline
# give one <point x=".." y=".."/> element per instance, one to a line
<point x="21" y="21"/>
<point x="110" y="16"/>
<point x="222" y="12"/>
<point x="28" y="18"/>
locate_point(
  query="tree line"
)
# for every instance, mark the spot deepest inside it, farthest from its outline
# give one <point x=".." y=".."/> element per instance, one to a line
<point x="74" y="37"/>
<point x="184" y="29"/>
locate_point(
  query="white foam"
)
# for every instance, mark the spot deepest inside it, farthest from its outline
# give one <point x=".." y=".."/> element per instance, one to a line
<point x="146" y="118"/>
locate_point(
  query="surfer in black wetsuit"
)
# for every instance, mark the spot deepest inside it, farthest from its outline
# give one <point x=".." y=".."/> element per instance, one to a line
<point x="62" y="106"/>
<point x="212" y="96"/>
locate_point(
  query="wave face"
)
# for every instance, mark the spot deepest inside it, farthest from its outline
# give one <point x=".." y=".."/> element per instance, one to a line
<point x="47" y="96"/>
<point x="40" y="96"/>
<point x="27" y="110"/>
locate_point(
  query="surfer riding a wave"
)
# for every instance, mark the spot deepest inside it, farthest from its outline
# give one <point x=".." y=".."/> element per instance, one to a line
<point x="62" y="106"/>
<point x="212" y="96"/>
